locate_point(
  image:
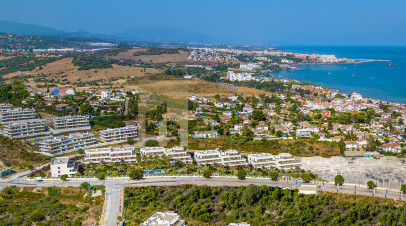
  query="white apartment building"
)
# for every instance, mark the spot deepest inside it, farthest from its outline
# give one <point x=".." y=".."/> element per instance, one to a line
<point x="239" y="76"/>
<point x="262" y="160"/>
<point x="250" y="66"/>
<point x="282" y="161"/>
<point x="152" y="151"/>
<point x="228" y="158"/>
<point x="176" y="154"/>
<point x="208" y="157"/>
<point x="17" y="114"/>
<point x="232" y="158"/>
<point x="285" y="161"/>
<point x="5" y="106"/>
<point x="62" y="144"/>
<point x="303" y="132"/>
<point x="28" y="128"/>
<point x="63" y="166"/>
<point x="164" y="219"/>
<point x="71" y="123"/>
<point x="179" y="154"/>
<point x="118" y="135"/>
<point x="110" y="154"/>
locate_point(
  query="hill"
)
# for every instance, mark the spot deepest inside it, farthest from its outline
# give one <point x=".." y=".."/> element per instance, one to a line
<point x="17" y="154"/>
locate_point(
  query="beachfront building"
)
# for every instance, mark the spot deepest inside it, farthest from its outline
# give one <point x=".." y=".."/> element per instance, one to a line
<point x="71" y="123"/>
<point x="56" y="145"/>
<point x="119" y="135"/>
<point x="28" y="128"/>
<point x="5" y="107"/>
<point x="282" y="161"/>
<point x="178" y="154"/>
<point x="63" y="166"/>
<point x="168" y="218"/>
<point x="232" y="158"/>
<point x="17" y="114"/>
<point x="110" y="154"/>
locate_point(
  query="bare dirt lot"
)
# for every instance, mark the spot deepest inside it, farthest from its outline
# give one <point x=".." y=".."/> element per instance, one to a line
<point x="64" y="69"/>
<point x="163" y="58"/>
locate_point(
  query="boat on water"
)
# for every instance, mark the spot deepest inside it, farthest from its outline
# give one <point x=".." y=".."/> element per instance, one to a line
<point x="392" y="64"/>
<point x="329" y="73"/>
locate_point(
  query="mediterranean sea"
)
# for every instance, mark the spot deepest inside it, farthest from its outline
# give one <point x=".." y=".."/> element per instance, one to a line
<point x="376" y="79"/>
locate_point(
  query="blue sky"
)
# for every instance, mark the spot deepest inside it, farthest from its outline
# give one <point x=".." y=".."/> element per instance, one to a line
<point x="282" y="22"/>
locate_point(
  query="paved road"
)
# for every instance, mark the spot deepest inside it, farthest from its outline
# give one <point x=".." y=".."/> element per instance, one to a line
<point x="114" y="188"/>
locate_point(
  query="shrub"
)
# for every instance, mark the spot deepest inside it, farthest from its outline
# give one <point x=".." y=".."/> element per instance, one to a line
<point x="64" y="177"/>
<point x="136" y="174"/>
<point x="85" y="185"/>
<point x="241" y="174"/>
<point x="101" y="176"/>
<point x="152" y="143"/>
<point x="207" y="173"/>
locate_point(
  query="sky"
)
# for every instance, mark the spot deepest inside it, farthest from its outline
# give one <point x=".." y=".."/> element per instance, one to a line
<point x="281" y="22"/>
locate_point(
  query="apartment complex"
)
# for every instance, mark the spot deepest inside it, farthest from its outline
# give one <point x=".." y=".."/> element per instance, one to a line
<point x="16" y="114"/>
<point x="117" y="135"/>
<point x="282" y="161"/>
<point x="63" y="166"/>
<point x="5" y="106"/>
<point x="110" y="154"/>
<point x="176" y="154"/>
<point x="227" y="158"/>
<point x="21" y="129"/>
<point x="71" y="123"/>
<point x="232" y="158"/>
<point x="62" y="144"/>
<point x="152" y="151"/>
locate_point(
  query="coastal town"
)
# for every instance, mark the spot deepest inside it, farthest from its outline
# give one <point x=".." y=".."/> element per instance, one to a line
<point x="252" y="125"/>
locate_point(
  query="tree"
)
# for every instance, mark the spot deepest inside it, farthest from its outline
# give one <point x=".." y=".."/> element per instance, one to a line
<point x="81" y="151"/>
<point x="136" y="174"/>
<point x="130" y="141"/>
<point x="307" y="177"/>
<point x="339" y="180"/>
<point x="241" y="174"/>
<point x="403" y="188"/>
<point x="152" y="143"/>
<point x="85" y="185"/>
<point x="341" y="145"/>
<point x="64" y="177"/>
<point x="279" y="133"/>
<point x="101" y="176"/>
<point x="257" y="114"/>
<point x="371" y="184"/>
<point x="86" y="108"/>
<point x="274" y="175"/>
<point x="207" y="173"/>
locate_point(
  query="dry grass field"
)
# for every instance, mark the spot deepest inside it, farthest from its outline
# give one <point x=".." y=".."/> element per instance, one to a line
<point x="181" y="88"/>
<point x="64" y="69"/>
<point x="164" y="58"/>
